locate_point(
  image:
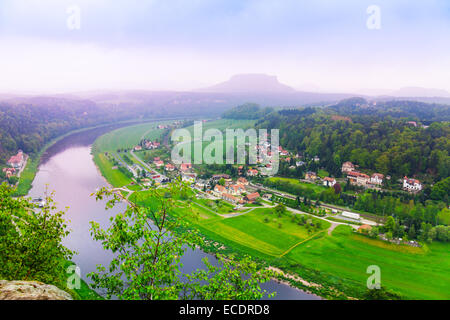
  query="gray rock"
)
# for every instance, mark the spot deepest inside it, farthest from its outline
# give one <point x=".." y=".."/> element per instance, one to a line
<point x="31" y="290"/>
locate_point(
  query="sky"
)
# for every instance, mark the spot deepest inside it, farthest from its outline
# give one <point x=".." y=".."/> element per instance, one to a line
<point x="341" y="46"/>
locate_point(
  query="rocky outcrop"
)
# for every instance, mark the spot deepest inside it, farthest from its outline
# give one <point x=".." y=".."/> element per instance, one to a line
<point x="31" y="290"/>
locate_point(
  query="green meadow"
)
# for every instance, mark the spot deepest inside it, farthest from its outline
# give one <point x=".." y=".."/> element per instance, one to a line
<point x="114" y="176"/>
<point x="127" y="137"/>
<point x="224" y="124"/>
<point x="414" y="273"/>
<point x="316" y="188"/>
<point x="343" y="256"/>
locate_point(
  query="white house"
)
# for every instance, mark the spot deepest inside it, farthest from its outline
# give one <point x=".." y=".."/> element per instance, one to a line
<point x="329" y="182"/>
<point x="377" y="178"/>
<point x="411" y="184"/>
<point x="188" y="177"/>
<point x="300" y="163"/>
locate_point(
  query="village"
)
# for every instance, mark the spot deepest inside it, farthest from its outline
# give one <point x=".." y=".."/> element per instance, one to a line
<point x="241" y="195"/>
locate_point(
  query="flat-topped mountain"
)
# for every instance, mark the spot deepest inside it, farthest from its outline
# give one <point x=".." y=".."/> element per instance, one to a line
<point x="259" y="83"/>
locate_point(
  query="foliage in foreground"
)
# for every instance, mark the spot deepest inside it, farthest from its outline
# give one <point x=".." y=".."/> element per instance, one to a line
<point x="31" y="239"/>
<point x="148" y="251"/>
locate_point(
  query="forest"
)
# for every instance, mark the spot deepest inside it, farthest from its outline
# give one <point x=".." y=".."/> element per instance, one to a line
<point x="29" y="127"/>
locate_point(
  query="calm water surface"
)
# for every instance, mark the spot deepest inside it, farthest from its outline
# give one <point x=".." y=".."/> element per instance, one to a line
<point x="67" y="169"/>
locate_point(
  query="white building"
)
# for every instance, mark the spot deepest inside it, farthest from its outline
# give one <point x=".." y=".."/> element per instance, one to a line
<point x="351" y="215"/>
<point x="411" y="184"/>
<point x="329" y="182"/>
<point x="347" y="167"/>
<point x="377" y="178"/>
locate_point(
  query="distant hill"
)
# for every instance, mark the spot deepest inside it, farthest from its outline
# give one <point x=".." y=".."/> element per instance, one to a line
<point x="249" y="83"/>
<point x="419" y="92"/>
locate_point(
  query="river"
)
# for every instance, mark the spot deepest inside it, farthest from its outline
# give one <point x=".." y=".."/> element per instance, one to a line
<point x="67" y="168"/>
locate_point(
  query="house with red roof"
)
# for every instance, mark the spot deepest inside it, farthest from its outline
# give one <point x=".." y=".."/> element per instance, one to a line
<point x="158" y="163"/>
<point x="17" y="160"/>
<point x="347" y="167"/>
<point x="185" y="167"/>
<point x="230" y="198"/>
<point x="242" y="181"/>
<point x="329" y="182"/>
<point x="252" y="197"/>
<point x="236" y="189"/>
<point x="218" y="190"/>
<point x="358" y="178"/>
<point x="169" y="167"/>
<point x="9" y="172"/>
<point x="412" y="185"/>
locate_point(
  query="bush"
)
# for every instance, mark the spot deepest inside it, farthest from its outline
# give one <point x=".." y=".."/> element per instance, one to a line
<point x="31" y="239"/>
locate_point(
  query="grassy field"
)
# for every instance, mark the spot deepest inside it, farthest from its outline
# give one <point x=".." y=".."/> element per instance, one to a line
<point x="259" y="230"/>
<point x="114" y="176"/>
<point x="316" y="188"/>
<point x="127" y="137"/>
<point x="220" y="207"/>
<point x="343" y="257"/>
<point x="415" y="273"/>
<point x="224" y="124"/>
<point x="221" y="125"/>
<point x="322" y="173"/>
<point x="28" y="174"/>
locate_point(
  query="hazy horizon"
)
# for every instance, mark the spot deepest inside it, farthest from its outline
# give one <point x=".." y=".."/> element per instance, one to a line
<point x="187" y="45"/>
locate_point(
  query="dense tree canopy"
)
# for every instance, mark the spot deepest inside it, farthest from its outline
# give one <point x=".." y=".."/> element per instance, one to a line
<point x="31" y="239"/>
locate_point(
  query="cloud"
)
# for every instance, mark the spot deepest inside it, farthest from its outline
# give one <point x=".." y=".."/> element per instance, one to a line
<point x="185" y="44"/>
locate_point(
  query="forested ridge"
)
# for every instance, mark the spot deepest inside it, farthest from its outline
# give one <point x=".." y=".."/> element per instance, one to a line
<point x="28" y="127"/>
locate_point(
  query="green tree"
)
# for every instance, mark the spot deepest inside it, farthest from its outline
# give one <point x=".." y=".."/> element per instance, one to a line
<point x="441" y="190"/>
<point x="148" y="243"/>
<point x="280" y="209"/>
<point x="412" y="232"/>
<point x="31" y="239"/>
<point x="13" y="180"/>
<point x="390" y="224"/>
